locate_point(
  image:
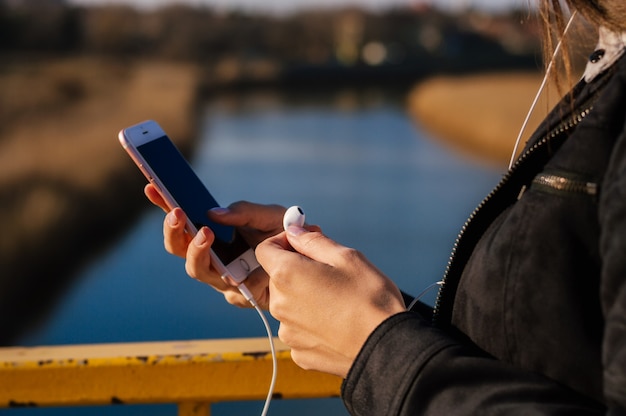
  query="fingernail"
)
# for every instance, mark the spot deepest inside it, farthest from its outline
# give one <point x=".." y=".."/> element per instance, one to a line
<point x="219" y="210"/>
<point x="200" y="238"/>
<point x="172" y="219"/>
<point x="295" y="231"/>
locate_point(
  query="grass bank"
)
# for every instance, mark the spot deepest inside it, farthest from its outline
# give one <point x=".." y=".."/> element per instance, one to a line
<point x="480" y="115"/>
<point x="66" y="186"/>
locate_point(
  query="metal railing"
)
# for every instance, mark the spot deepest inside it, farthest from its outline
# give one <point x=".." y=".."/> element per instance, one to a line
<point x="192" y="374"/>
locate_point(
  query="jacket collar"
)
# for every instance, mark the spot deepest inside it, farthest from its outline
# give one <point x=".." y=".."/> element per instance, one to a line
<point x="610" y="48"/>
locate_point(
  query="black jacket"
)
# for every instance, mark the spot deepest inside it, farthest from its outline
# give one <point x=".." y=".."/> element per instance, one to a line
<point x="531" y="318"/>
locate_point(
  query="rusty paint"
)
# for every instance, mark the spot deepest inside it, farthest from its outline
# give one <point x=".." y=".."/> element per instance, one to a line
<point x="13" y="403"/>
<point x="257" y="355"/>
<point x="168" y="372"/>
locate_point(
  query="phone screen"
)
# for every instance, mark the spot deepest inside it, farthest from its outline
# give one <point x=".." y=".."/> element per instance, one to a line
<point x="169" y="165"/>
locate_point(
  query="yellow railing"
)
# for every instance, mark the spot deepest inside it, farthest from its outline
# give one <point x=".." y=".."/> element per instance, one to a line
<point x="192" y="374"/>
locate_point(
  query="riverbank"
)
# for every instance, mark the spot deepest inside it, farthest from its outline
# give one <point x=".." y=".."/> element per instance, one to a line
<point x="66" y="186"/>
<point x="480" y="115"/>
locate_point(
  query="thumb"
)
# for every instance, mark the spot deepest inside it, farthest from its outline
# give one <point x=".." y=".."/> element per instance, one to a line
<point x="248" y="214"/>
<point x="314" y="244"/>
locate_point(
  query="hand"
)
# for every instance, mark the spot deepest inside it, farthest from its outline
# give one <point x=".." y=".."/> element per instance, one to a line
<point x="327" y="297"/>
<point x="254" y="222"/>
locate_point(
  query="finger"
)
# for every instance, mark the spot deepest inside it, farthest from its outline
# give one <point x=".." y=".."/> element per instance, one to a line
<point x="248" y="214"/>
<point x="198" y="255"/>
<point x="273" y="246"/>
<point x="316" y="246"/>
<point x="315" y="228"/>
<point x="155" y="197"/>
<point x="198" y="265"/>
<point x="275" y="252"/>
<point x="257" y="283"/>
<point x="175" y="237"/>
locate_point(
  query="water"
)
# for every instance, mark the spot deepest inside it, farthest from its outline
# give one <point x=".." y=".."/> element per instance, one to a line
<point x="356" y="163"/>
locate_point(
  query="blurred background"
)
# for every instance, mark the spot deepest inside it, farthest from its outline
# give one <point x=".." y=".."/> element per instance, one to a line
<point x="387" y="121"/>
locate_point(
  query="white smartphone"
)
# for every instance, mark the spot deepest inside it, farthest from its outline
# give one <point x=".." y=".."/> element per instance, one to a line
<point x="165" y="167"/>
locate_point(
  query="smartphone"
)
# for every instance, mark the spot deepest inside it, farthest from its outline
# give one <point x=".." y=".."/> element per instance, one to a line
<point x="166" y="168"/>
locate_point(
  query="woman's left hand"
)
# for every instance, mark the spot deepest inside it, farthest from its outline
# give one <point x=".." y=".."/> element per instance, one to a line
<point x="327" y="297"/>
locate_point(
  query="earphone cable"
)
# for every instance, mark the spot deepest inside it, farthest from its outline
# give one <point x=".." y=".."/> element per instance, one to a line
<point x="424" y="292"/>
<point x="250" y="298"/>
<point x="541" y="88"/>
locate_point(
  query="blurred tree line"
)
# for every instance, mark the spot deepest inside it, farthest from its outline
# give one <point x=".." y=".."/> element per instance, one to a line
<point x="345" y="37"/>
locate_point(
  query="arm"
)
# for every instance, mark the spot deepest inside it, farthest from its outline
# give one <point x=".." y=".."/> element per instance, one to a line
<point x="407" y="367"/>
<point x="612" y="215"/>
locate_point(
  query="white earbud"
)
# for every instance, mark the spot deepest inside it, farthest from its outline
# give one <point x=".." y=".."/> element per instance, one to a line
<point x="293" y="216"/>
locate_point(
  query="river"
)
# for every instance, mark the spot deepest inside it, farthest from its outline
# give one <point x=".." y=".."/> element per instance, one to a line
<point x="361" y="169"/>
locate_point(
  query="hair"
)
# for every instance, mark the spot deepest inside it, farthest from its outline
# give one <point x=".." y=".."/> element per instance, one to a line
<point x="608" y="13"/>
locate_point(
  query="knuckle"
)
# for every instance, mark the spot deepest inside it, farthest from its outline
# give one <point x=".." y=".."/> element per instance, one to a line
<point x="168" y="246"/>
<point x="240" y="206"/>
<point x="276" y="311"/>
<point x="299" y="351"/>
<point x="234" y="298"/>
<point x="285" y="335"/>
<point x="280" y="274"/>
<point x="190" y="269"/>
<point x="300" y="359"/>
<point x="350" y="255"/>
<point x="263" y="257"/>
<point x="173" y="248"/>
<point x="259" y="251"/>
<point x="313" y="240"/>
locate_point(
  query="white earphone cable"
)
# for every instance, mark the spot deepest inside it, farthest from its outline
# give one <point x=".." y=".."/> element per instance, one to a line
<point x="541" y="88"/>
<point x="250" y="298"/>
<point x="424" y="292"/>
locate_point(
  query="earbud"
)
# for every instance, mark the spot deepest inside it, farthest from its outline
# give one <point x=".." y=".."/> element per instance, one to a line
<point x="293" y="216"/>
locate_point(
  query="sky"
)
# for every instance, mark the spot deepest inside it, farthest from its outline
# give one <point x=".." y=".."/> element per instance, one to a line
<point x="286" y="6"/>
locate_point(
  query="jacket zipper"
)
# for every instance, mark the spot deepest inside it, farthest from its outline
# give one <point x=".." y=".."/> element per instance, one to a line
<point x="562" y="128"/>
<point x="563" y="184"/>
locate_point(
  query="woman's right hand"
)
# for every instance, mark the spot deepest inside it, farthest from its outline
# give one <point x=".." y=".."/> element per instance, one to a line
<point x="253" y="221"/>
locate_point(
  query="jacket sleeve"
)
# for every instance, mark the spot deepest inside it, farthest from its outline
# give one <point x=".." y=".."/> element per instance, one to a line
<point x="612" y="215"/>
<point x="407" y="367"/>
